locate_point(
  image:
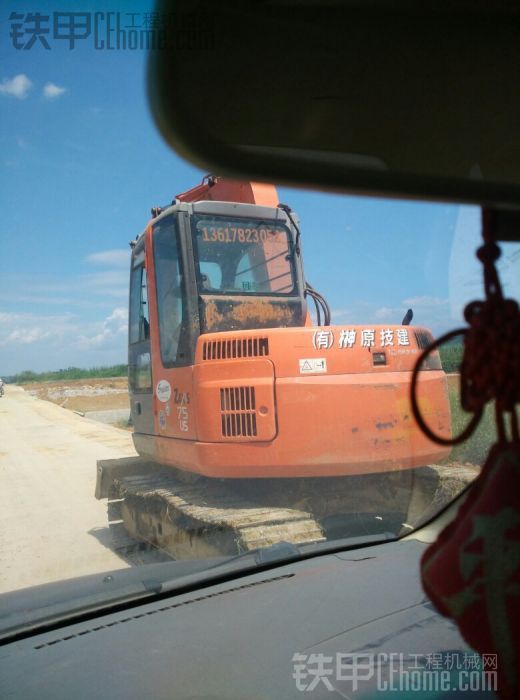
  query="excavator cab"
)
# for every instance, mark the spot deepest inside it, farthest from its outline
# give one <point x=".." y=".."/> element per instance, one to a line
<point x="217" y="267"/>
<point x="209" y="266"/>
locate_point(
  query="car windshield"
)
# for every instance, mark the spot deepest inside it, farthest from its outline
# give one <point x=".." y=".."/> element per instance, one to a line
<point x="186" y="398"/>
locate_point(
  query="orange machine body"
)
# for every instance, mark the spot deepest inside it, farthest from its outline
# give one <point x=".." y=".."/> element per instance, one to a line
<point x="275" y="397"/>
<point x="275" y="405"/>
<point x="215" y="189"/>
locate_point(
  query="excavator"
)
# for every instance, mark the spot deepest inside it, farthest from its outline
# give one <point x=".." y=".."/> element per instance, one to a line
<point x="252" y="425"/>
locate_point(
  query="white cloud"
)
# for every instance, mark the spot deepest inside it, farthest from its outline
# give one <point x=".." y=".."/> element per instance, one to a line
<point x="425" y="302"/>
<point x="7" y="317"/>
<point x="113" y="330"/>
<point x="27" y="328"/>
<point x="56" y="300"/>
<point x="386" y="313"/>
<point x="26" y="336"/>
<point x="112" y="283"/>
<point x="18" y="86"/>
<point x="51" y="91"/>
<point x="89" y="290"/>
<point x="44" y="342"/>
<point x="118" y="257"/>
<point x="338" y="315"/>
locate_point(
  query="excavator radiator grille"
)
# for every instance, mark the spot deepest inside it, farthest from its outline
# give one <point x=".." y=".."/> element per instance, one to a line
<point x="235" y="347"/>
<point x="238" y="406"/>
<point x="423" y="339"/>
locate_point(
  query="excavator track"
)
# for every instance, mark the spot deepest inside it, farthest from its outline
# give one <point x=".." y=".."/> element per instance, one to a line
<point x="204" y="519"/>
<point x="210" y="517"/>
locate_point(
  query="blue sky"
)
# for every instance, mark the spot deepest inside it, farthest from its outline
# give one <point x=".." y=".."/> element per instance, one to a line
<point x="81" y="165"/>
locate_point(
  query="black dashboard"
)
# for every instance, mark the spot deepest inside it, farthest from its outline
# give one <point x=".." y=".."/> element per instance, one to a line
<point x="255" y="636"/>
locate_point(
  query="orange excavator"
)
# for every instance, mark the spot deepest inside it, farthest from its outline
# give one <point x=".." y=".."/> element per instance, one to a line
<point x="229" y="378"/>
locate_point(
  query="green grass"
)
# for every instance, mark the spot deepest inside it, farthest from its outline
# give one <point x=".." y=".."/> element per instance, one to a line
<point x="451" y="356"/>
<point x="475" y="449"/>
<point x="70" y="373"/>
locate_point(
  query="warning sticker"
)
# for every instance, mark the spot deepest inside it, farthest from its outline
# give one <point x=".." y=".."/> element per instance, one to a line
<point x="313" y="366"/>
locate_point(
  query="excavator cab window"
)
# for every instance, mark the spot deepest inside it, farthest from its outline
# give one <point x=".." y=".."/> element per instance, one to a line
<point x="244" y="276"/>
<point x="243" y="256"/>
<point x="171" y="293"/>
<point x="210" y="276"/>
<point x="139" y="314"/>
<point x="139" y="366"/>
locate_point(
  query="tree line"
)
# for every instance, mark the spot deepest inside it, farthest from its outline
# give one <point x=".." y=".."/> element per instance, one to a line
<point x="28" y="377"/>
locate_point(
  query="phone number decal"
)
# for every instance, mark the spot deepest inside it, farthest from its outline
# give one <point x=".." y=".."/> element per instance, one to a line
<point x="232" y="234"/>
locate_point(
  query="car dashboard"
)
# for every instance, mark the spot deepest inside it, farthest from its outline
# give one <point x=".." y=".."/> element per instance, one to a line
<point x="275" y="633"/>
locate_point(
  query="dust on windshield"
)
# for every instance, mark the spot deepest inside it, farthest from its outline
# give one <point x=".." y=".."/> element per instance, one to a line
<point x="129" y="433"/>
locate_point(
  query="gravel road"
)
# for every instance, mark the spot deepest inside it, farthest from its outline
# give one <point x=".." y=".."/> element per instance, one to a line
<point x="51" y="526"/>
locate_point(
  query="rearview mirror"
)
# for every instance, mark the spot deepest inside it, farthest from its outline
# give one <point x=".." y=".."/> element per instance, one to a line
<point x="391" y="98"/>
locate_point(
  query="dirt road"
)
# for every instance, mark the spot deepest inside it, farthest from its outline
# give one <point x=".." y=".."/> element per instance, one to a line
<point x="51" y="526"/>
